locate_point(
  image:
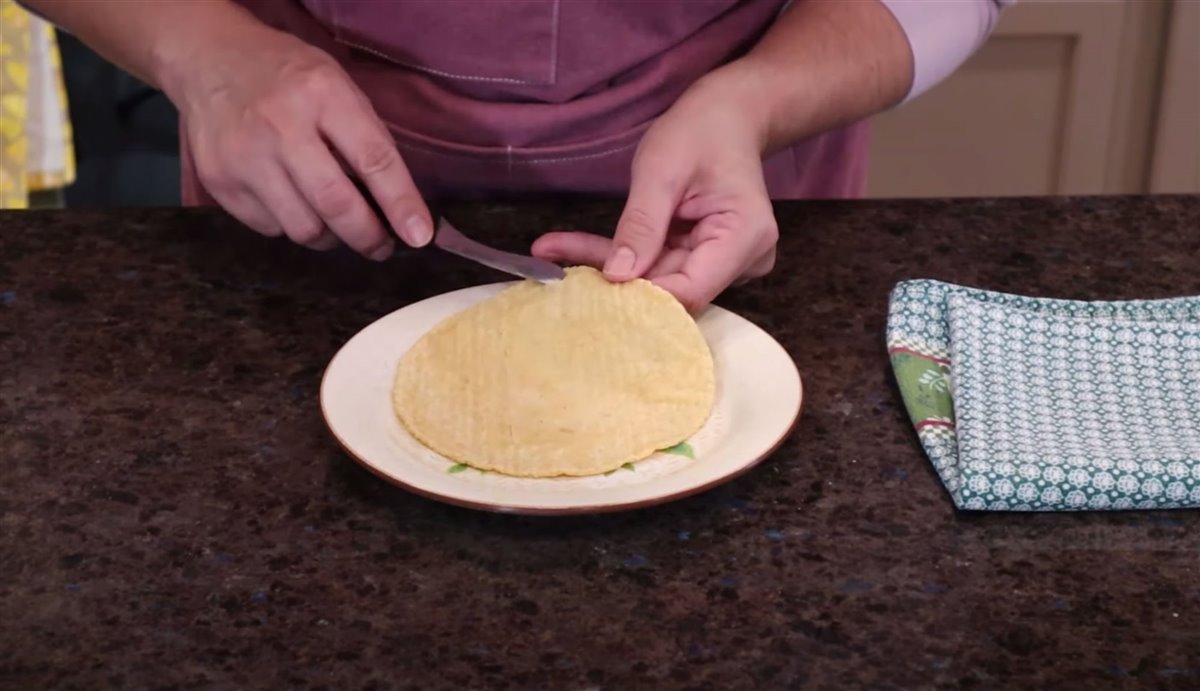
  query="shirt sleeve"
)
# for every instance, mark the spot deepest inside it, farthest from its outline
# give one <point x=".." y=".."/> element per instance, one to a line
<point x="943" y="34"/>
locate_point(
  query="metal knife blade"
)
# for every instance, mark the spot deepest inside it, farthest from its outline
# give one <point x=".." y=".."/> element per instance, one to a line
<point x="451" y="240"/>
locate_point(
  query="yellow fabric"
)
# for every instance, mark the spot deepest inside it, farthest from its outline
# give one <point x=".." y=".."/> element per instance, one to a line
<point x="36" y="152"/>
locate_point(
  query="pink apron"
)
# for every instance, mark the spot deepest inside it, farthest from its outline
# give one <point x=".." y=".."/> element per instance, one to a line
<point x="491" y="98"/>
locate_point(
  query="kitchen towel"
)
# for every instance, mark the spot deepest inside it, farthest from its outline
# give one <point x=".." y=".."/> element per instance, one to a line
<point x="1037" y="404"/>
<point x="36" y="152"/>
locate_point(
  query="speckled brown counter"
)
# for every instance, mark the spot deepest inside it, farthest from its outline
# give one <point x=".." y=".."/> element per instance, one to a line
<point x="173" y="514"/>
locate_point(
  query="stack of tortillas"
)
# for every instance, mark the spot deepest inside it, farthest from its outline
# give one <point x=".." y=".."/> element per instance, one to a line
<point x="575" y="377"/>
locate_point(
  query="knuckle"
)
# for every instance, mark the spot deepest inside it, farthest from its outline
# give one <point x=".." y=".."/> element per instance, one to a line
<point x="251" y="216"/>
<point x="271" y="116"/>
<point x="320" y="81"/>
<point x="333" y="198"/>
<point x="216" y="181"/>
<point x="770" y="234"/>
<point x="637" y="225"/>
<point x="324" y="242"/>
<point x="764" y="266"/>
<point x="403" y="204"/>
<point x="267" y="226"/>
<point x="378" y="156"/>
<point x="363" y="239"/>
<point x="212" y="175"/>
<point x="305" y="232"/>
<point x="235" y="148"/>
<point x="371" y="248"/>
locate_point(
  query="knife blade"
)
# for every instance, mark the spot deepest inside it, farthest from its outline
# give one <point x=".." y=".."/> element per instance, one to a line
<point x="449" y="239"/>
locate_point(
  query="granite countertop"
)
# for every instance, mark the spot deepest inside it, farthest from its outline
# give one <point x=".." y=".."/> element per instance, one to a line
<point x="173" y="513"/>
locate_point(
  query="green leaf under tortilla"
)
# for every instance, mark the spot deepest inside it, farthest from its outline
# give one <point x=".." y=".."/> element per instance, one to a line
<point x="681" y="449"/>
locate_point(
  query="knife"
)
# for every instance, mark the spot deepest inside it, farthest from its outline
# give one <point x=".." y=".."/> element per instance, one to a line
<point x="448" y="238"/>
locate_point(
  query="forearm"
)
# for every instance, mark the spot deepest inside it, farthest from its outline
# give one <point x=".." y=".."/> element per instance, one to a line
<point x="150" y="40"/>
<point x="828" y="63"/>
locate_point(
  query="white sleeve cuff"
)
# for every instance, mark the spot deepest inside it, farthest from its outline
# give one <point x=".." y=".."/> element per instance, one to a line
<point x="943" y="34"/>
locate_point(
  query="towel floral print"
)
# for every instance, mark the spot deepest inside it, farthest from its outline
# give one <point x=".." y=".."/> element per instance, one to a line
<point x="1051" y="404"/>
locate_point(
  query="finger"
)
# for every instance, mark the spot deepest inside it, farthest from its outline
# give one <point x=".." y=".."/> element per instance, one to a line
<point x="758" y="269"/>
<point x="230" y="192"/>
<point x="723" y="253"/>
<point x="573" y="248"/>
<point x="274" y="189"/>
<point x="588" y="250"/>
<point x="669" y="262"/>
<point x="566" y="245"/>
<point x="324" y="241"/>
<point x="364" y="142"/>
<point x="682" y="240"/>
<point x="702" y="206"/>
<point x="763" y="266"/>
<point x="642" y="228"/>
<point x="593" y="250"/>
<point x="336" y="203"/>
<point x="246" y="208"/>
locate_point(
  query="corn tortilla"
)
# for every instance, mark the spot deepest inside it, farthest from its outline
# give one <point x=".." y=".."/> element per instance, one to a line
<point x="575" y="377"/>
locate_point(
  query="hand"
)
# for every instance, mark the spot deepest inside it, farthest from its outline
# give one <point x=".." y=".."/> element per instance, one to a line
<point x="270" y="120"/>
<point x="698" y="217"/>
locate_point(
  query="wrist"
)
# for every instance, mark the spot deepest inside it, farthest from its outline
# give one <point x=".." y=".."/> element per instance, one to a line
<point x="166" y="67"/>
<point x="737" y="90"/>
<point x="193" y="42"/>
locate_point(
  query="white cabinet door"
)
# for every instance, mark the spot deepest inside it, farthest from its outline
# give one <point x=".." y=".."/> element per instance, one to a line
<point x="1176" y="165"/>
<point x="1063" y="99"/>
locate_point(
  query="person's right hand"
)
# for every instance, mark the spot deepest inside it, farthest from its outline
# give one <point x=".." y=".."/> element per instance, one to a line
<point x="270" y="121"/>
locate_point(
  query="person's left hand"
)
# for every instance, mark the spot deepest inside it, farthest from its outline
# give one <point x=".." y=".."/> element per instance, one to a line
<point x="698" y="218"/>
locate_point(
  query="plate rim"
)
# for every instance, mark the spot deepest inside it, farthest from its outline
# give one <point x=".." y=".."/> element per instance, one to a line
<point x="580" y="509"/>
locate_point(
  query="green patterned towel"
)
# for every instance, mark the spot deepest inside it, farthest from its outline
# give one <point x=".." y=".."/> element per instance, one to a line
<point x="1031" y="404"/>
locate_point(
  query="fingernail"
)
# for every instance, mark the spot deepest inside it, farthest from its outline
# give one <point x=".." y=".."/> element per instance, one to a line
<point x="383" y="252"/>
<point x="621" y="263"/>
<point x="417" y="231"/>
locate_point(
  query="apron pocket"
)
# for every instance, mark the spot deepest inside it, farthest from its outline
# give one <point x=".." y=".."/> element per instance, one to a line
<point x="448" y="169"/>
<point x="508" y="41"/>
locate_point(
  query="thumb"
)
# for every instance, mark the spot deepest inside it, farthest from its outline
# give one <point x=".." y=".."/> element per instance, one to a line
<point x="642" y="229"/>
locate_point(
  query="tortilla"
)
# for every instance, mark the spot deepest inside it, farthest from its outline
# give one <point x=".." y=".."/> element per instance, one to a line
<point x="575" y="377"/>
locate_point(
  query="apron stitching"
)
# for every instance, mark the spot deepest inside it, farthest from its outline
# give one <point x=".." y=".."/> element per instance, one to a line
<point x="440" y="73"/>
<point x="554" y="45"/>
<point x="511" y="162"/>
<point x="560" y="159"/>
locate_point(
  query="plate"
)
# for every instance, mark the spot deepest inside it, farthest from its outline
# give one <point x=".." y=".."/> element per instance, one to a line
<point x="758" y="400"/>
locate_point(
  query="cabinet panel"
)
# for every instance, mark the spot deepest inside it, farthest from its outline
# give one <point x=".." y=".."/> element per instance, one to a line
<point x="995" y="128"/>
<point x="1176" y="166"/>
<point x="1043" y="108"/>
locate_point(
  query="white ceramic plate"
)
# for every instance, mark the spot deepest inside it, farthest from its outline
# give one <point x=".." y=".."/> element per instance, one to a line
<point x="757" y="403"/>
